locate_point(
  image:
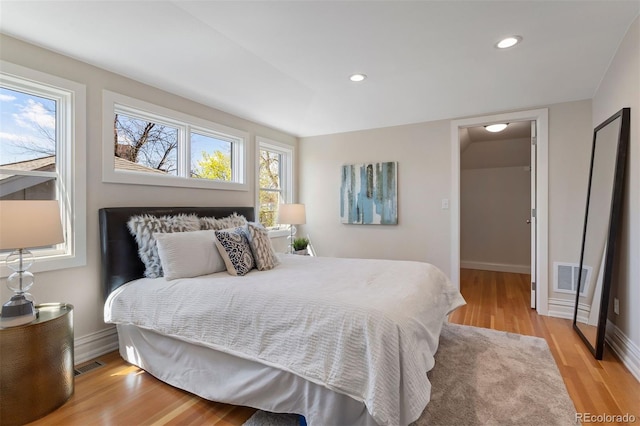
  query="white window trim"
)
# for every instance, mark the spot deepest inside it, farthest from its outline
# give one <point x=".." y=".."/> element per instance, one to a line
<point x="70" y="162"/>
<point x="185" y="123"/>
<point x="288" y="170"/>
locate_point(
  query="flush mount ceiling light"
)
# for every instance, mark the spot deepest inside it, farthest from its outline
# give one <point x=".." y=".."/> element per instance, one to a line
<point x="357" y="77"/>
<point x="508" y="42"/>
<point x="494" y="128"/>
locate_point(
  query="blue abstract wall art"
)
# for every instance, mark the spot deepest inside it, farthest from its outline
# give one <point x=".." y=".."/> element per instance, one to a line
<point x="369" y="194"/>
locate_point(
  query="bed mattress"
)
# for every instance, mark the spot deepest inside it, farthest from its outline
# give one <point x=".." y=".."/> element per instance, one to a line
<point x="367" y="329"/>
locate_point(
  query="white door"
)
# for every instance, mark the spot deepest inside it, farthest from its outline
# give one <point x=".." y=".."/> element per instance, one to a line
<point x="532" y="220"/>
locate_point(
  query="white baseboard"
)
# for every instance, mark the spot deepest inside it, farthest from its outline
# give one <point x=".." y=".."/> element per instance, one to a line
<point x="560" y="308"/>
<point x="627" y="351"/>
<point x="563" y="308"/>
<point x="95" y="344"/>
<point x="499" y="267"/>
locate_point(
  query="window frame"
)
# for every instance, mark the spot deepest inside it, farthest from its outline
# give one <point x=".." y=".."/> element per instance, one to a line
<point x="286" y="176"/>
<point x="70" y="173"/>
<point x="115" y="102"/>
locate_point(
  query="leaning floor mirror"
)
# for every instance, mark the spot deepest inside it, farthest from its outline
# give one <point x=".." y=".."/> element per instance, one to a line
<point x="601" y="225"/>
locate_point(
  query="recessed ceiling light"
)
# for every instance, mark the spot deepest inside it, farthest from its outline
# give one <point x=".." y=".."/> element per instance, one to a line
<point x="357" y="77"/>
<point x="507" y="42"/>
<point x="494" y="128"/>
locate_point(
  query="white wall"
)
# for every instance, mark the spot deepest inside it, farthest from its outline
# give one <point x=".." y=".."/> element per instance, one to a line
<point x="423" y="231"/>
<point x="570" y="137"/>
<point x="495" y="202"/>
<point x="495" y="153"/>
<point x="81" y="286"/>
<point x="620" y="88"/>
<point x="424" y="167"/>
<point x="494" y="206"/>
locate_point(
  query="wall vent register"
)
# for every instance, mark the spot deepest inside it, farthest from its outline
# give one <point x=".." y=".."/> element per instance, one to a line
<point x="87" y="368"/>
<point x="566" y="278"/>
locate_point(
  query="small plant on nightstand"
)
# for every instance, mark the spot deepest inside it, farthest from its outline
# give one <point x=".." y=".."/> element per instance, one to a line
<point x="300" y="245"/>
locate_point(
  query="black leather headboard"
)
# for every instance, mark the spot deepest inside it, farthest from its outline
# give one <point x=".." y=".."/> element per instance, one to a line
<point x="118" y="248"/>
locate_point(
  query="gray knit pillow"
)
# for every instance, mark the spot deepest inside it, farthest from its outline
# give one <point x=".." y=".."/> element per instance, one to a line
<point x="261" y="247"/>
<point x="142" y="227"/>
<point x="232" y="221"/>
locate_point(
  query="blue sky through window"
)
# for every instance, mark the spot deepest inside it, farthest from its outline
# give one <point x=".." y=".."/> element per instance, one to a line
<point x="27" y="126"/>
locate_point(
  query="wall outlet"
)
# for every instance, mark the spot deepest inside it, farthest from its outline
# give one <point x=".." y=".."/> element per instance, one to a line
<point x="616" y="306"/>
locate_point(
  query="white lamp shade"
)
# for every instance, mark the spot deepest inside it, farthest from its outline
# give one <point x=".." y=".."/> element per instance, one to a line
<point x="29" y="223"/>
<point x="292" y="214"/>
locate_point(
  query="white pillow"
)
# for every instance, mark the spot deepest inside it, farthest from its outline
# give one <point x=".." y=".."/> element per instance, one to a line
<point x="189" y="254"/>
<point x="145" y="227"/>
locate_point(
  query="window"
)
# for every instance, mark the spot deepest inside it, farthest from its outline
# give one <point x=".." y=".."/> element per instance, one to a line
<point x="144" y="145"/>
<point x="210" y="157"/>
<point x="151" y="145"/>
<point x="42" y="155"/>
<point x="275" y="180"/>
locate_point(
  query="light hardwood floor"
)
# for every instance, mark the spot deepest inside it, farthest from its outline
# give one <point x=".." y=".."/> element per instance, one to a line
<point x="501" y="301"/>
<point x="120" y="394"/>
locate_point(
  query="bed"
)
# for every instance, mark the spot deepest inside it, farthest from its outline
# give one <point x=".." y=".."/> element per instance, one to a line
<point x="338" y="341"/>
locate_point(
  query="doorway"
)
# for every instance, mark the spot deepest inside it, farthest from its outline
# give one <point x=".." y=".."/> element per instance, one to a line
<point x="539" y="257"/>
<point x="497" y="181"/>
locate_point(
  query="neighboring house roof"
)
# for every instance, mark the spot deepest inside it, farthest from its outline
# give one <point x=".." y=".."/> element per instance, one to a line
<point x="11" y="183"/>
<point x="47" y="164"/>
<point x="8" y="182"/>
<point x="43" y="164"/>
<point x="122" y="164"/>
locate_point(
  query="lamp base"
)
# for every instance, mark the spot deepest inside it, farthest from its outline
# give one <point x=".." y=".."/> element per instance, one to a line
<point x="17" y="311"/>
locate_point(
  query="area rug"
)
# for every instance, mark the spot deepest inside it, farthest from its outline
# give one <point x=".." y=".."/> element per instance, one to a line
<point x="484" y="377"/>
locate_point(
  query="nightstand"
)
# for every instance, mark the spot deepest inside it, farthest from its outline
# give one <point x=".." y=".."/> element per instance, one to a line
<point x="36" y="365"/>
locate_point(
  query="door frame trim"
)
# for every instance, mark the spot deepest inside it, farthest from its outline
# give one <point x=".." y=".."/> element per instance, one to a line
<point x="541" y="117"/>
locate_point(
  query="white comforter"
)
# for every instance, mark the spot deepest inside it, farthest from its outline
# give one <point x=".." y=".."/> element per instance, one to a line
<point x="364" y="328"/>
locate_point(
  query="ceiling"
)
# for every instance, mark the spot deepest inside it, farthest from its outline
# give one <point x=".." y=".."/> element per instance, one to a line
<point x="508" y="148"/>
<point x="517" y="130"/>
<point x="286" y="64"/>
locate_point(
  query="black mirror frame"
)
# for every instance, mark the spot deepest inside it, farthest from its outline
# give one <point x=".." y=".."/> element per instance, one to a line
<point x="614" y="224"/>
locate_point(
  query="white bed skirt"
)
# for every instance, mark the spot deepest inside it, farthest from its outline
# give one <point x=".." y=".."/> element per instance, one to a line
<point x="221" y="377"/>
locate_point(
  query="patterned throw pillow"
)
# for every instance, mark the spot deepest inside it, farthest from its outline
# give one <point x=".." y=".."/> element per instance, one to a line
<point x="261" y="247"/>
<point x="233" y="246"/>
<point x="231" y="221"/>
<point x="142" y="227"/>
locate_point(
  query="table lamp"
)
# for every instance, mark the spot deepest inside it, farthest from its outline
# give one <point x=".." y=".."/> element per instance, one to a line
<point x="25" y="224"/>
<point x="291" y="214"/>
